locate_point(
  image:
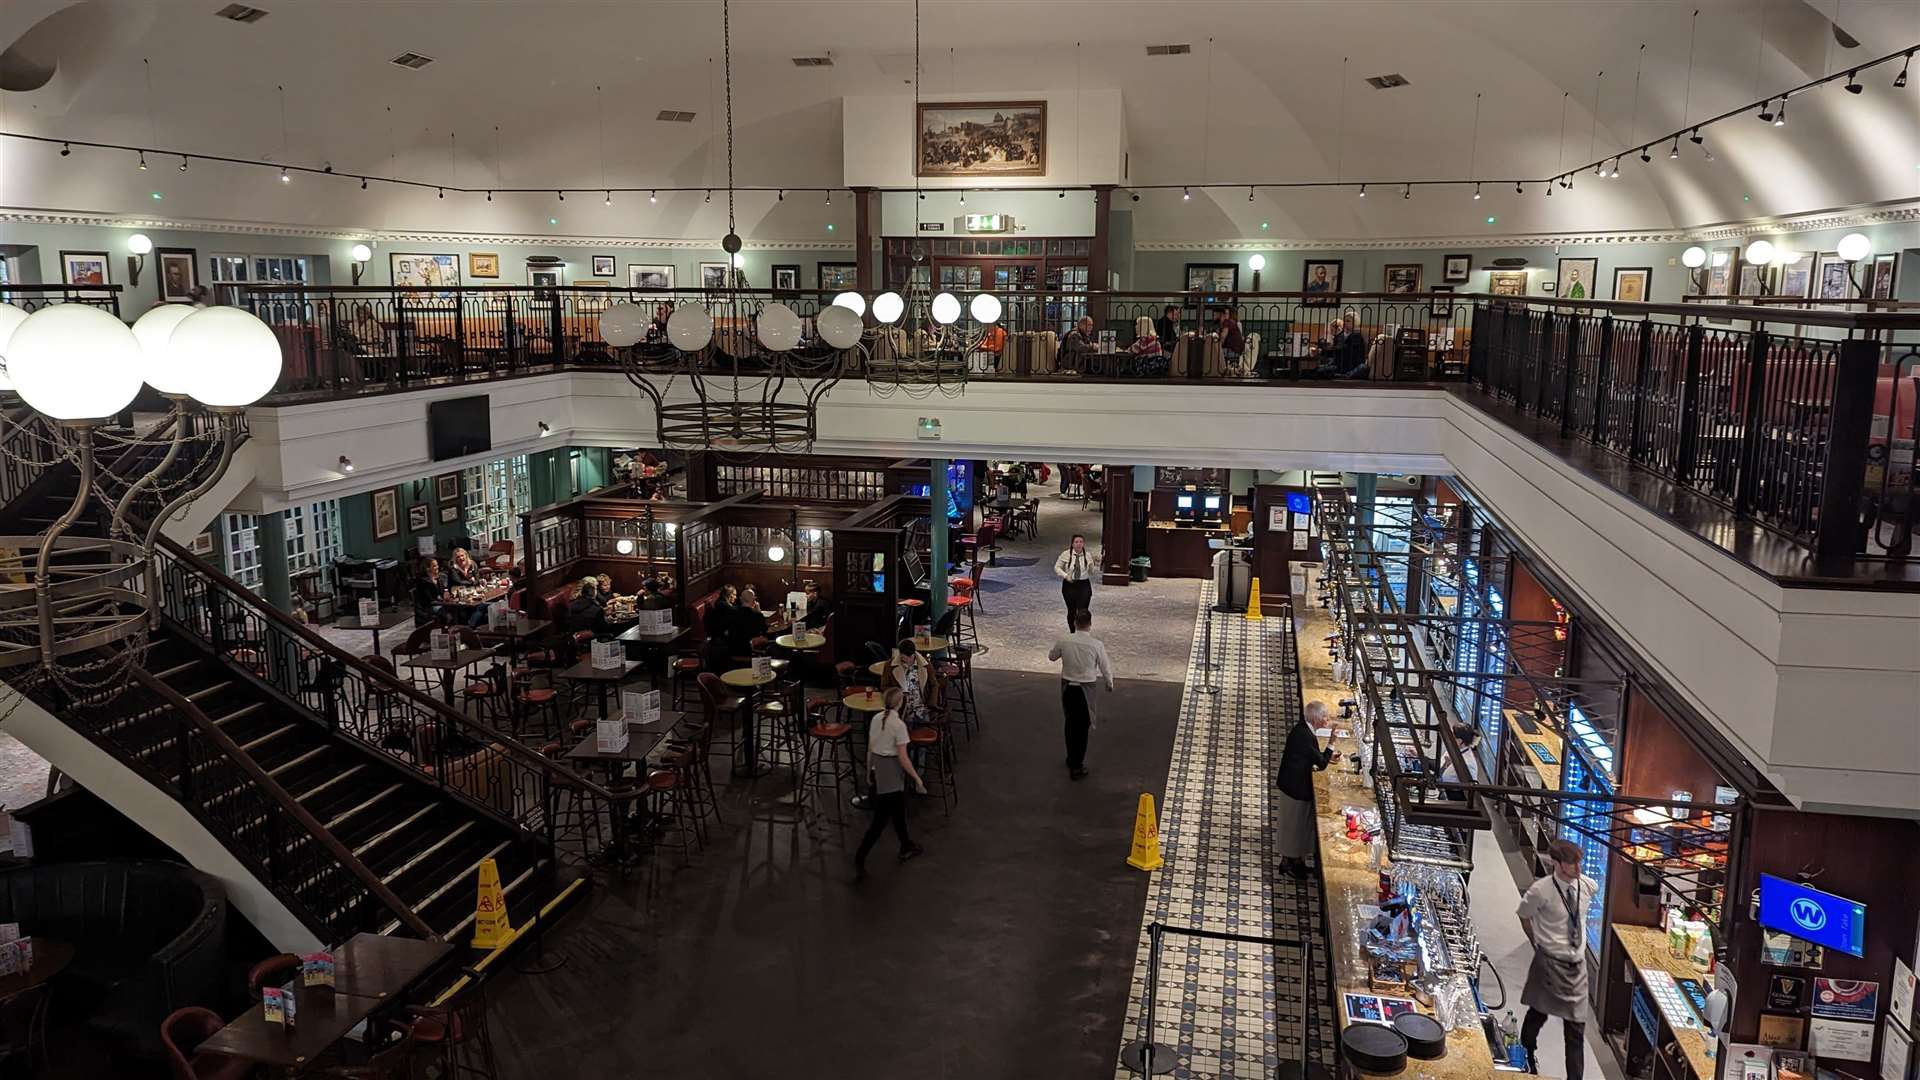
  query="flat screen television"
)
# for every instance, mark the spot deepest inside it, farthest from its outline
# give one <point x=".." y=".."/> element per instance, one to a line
<point x="1213" y="502"/>
<point x="1299" y="503"/>
<point x="1183" y="502"/>
<point x="457" y="427"/>
<point x="1830" y="921"/>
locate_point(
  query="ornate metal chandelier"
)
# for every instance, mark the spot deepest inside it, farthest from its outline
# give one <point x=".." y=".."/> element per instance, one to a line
<point x="79" y="605"/>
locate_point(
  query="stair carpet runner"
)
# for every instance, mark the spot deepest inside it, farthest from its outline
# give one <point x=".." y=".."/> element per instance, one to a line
<point x="1230" y="1009"/>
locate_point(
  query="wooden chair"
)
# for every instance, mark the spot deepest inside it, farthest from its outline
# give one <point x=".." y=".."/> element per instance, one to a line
<point x="457" y="1033"/>
<point x="311" y="587"/>
<point x="273" y="971"/>
<point x="182" y="1032"/>
<point x="968" y="584"/>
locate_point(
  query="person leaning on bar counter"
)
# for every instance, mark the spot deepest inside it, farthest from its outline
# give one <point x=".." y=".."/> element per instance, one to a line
<point x="1295" y="836"/>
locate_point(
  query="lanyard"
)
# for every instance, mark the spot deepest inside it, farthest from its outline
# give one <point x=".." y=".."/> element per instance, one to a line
<point x="1569" y="899"/>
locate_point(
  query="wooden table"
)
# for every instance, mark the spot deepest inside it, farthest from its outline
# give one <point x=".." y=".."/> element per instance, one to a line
<point x="748" y="680"/>
<point x="515" y="634"/>
<point x="375" y="965"/>
<point x="866" y="701"/>
<point x="50" y="957"/>
<point x="928" y="643"/>
<point x="388" y="620"/>
<point x="601" y="678"/>
<point x="642" y="740"/>
<point x="460" y="661"/>
<point x="322" y="1017"/>
<point x="801" y="642"/>
<point x="636" y="640"/>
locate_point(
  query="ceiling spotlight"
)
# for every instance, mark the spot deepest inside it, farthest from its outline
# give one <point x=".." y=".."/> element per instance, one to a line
<point x="653" y="196"/>
<point x="1673" y="153"/>
<point x="963" y="197"/>
<point x="1063" y="193"/>
<point x="1363" y="191"/>
<point x="1615" y="174"/>
<point x="66" y="150"/>
<point x="1136" y="196"/>
<point x="709" y="198"/>
<point x="489" y="196"/>
<point x="1780" y="118"/>
<point x="1185" y="195"/>
<point x="1852" y="86"/>
<point x="1645" y="157"/>
<point x="346" y="464"/>
<point x="143" y="161"/>
<point x="923" y="196"/>
<point x="562" y="195"/>
<point x="1549" y="191"/>
<point x="1407" y="192"/>
<point x="609" y="198"/>
<point x="1900" y="80"/>
<point x="829" y="198"/>
<point x="544" y="429"/>
<point x="1696" y="138"/>
<point x="1476" y="192"/>
<point x="363" y="183"/>
<point x="782" y="197"/>
<point x="1249" y="194"/>
<point x="1517" y="189"/>
<point x="284" y="178"/>
<point x="442" y="191"/>
<point x="1766" y="111"/>
<point x="183" y="163"/>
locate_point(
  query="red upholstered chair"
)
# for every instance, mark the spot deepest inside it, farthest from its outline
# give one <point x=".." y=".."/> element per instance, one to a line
<point x="182" y="1032"/>
<point x="500" y="555"/>
<point x="273" y="971"/>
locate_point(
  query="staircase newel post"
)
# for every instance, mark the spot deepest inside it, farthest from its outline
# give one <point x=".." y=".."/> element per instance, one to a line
<point x="183" y="747"/>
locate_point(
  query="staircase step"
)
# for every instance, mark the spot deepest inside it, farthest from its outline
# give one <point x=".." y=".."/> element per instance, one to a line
<point x="330" y="782"/>
<point x="333" y="825"/>
<point x="423" y="858"/>
<point x="445" y="888"/>
<point x="362" y="850"/>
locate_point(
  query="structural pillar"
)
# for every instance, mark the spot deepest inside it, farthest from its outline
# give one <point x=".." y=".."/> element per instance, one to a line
<point x="863" y="222"/>
<point x="1099" y="259"/>
<point x="1366" y="489"/>
<point x="275" y="583"/>
<point x="939" y="528"/>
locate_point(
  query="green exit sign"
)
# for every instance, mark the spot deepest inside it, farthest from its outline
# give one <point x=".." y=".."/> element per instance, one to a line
<point x="929" y="427"/>
<point x="989" y="223"/>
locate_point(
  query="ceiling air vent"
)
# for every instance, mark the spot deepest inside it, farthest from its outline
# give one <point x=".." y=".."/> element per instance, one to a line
<point x="813" y="61"/>
<point x="241" y="13"/>
<point x="1169" y="50"/>
<point x="1387" y="82"/>
<point x="411" y="60"/>
<point x="670" y="116"/>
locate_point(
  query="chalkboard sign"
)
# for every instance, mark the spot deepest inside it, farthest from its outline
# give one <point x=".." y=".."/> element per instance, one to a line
<point x="1176" y="477"/>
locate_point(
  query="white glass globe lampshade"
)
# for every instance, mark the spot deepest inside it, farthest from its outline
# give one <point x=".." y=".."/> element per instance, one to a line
<point x="154" y="331"/>
<point x="776" y="553"/>
<point x="672" y="527"/>
<point x="778" y="327"/>
<point x="852" y="301"/>
<point x="10" y="319"/>
<point x="1854" y="246"/>
<point x="623" y="324"/>
<point x="690" y="328"/>
<point x="1791" y="258"/>
<point x="362" y="253"/>
<point x="623" y="545"/>
<point x="814" y="535"/>
<point x="1257" y="262"/>
<point x="986" y="309"/>
<point x="1719" y="259"/>
<point x="739" y="260"/>
<point x="946" y="309"/>
<point x="1694" y="257"/>
<point x="1760" y="252"/>
<point x="139" y="244"/>
<point x="231" y="358"/>
<point x="888" y="307"/>
<point x="74" y="362"/>
<point x="839" y="327"/>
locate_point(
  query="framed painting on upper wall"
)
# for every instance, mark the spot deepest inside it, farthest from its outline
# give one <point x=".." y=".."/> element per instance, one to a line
<point x="1456" y="268"/>
<point x="713" y="275"/>
<point x="483" y="264"/>
<point x="1753" y="280"/>
<point x="446" y="487"/>
<point x="85" y="268"/>
<point x="426" y="271"/>
<point x="1885" y="268"/>
<point x="649" y="275"/>
<point x="981" y="138"/>
<point x="1831" y="280"/>
<point x="1574" y="279"/>
<point x="1403" y="278"/>
<point x="786" y="278"/>
<point x="1507" y="282"/>
<point x="1321" y="276"/>
<point x="603" y="266"/>
<point x="418" y="518"/>
<point x="1720" y="270"/>
<point x="1440" y="308"/>
<point x="386" y="513"/>
<point x="837" y="275"/>
<point x="178" y="276"/>
<point x="1796" y="278"/>
<point x="1211" y="278"/>
<point x="1632" y="283"/>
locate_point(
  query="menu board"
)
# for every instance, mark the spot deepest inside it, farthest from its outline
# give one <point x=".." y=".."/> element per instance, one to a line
<point x="1177" y="476"/>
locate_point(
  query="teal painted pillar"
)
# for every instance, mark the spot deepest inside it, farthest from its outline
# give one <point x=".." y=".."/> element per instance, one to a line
<point x="1366" y="489"/>
<point x="937" y="578"/>
<point x="274" y="582"/>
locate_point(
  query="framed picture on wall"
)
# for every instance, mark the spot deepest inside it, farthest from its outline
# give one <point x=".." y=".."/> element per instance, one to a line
<point x="981" y="138"/>
<point x="202" y="544"/>
<point x="1797" y="279"/>
<point x="1885" y="267"/>
<point x="1440" y="308"/>
<point x="386" y="513"/>
<point x="649" y="275"/>
<point x="1831" y="280"/>
<point x="786" y="278"/>
<point x="1321" y="276"/>
<point x="85" y="268"/>
<point x="178" y="277"/>
<point x="1632" y="283"/>
<point x="1403" y="278"/>
<point x="1213" y="278"/>
<point x="429" y="271"/>
<point x="1753" y="280"/>
<point x="1574" y="278"/>
<point x="449" y="514"/>
<point x="483" y="264"/>
<point x="446" y="487"/>
<point x="1507" y="282"/>
<point x="603" y="266"/>
<point x="1456" y="268"/>
<point x="1720" y="270"/>
<point x="713" y="275"/>
<point x="417" y="518"/>
<point x="837" y="275"/>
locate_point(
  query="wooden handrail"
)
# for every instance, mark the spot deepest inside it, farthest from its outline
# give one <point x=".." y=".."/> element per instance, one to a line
<point x="387" y="682"/>
<point x="287" y="802"/>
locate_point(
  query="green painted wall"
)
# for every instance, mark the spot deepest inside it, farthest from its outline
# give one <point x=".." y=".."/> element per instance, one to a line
<point x="356" y="524"/>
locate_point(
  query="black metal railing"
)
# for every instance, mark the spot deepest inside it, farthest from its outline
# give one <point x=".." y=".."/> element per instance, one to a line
<point x="32" y="298"/>
<point x="1149" y="1057"/>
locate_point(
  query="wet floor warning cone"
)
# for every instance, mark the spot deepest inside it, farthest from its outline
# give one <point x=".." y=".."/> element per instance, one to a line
<point x="1253" y="600"/>
<point x="491" y="926"/>
<point x="1146" y="837"/>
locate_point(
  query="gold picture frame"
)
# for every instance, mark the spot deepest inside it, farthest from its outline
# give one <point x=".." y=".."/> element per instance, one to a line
<point x="386" y="513"/>
<point x="483" y="264"/>
<point x="980" y="138"/>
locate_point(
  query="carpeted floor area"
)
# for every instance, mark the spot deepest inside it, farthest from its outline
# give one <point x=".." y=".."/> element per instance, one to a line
<point x="1004" y="952"/>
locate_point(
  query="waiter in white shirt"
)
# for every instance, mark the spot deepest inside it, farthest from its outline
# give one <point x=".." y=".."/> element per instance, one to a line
<point x="1553" y="912"/>
<point x="1075" y="569"/>
<point x="1083" y="662"/>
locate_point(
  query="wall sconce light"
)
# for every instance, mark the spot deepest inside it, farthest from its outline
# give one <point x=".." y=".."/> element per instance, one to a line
<point x="776" y="553"/>
<point x="623" y="546"/>
<point x="361" y="254"/>
<point x="544" y="429"/>
<point x="1257" y="263"/>
<point x="140" y="246"/>
<point x="1853" y="249"/>
<point x="346" y="463"/>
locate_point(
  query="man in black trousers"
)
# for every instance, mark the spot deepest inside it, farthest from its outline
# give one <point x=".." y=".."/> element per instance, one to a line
<point x="1083" y="663"/>
<point x="1075" y="569"/>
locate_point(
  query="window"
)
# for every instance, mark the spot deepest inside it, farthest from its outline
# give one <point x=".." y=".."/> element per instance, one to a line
<point x="492" y="495"/>
<point x="241" y="550"/>
<point x="313" y="536"/>
<point x="232" y="269"/>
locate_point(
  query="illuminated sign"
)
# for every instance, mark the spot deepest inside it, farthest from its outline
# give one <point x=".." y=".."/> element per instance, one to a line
<point x="989" y="223"/>
<point x="1811" y="915"/>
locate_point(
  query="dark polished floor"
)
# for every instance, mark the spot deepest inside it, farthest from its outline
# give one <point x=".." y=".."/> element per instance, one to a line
<point x="1004" y="952"/>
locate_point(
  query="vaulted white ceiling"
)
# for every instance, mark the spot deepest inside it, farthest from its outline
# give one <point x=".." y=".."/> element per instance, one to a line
<point x="550" y="94"/>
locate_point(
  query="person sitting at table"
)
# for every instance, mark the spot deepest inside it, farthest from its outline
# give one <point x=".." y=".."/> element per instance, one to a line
<point x="992" y="343"/>
<point x="657" y="331"/>
<point x="1345" y="357"/>
<point x="1167" y="326"/>
<point x="651" y="598"/>
<point x="818" y="607"/>
<point x="367" y="333"/>
<point x="1233" y="341"/>
<point x="461" y="569"/>
<point x="587" y="611"/>
<point x="1077" y="345"/>
<point x="719" y="629"/>
<point x="1146" y="340"/>
<point x="1002" y="495"/>
<point x="909" y="671"/>
<point x="605" y="581"/>
<point x="429" y="593"/>
<point x="749" y="622"/>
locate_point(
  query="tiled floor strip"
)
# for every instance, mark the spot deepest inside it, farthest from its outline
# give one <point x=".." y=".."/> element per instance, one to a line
<point x="1230" y="1010"/>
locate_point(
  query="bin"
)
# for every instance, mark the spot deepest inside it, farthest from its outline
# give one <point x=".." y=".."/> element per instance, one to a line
<point x="1140" y="565"/>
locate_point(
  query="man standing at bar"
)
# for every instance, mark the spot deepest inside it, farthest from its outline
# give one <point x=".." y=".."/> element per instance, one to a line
<point x="1075" y="568"/>
<point x="1083" y="662"/>
<point x="1553" y="913"/>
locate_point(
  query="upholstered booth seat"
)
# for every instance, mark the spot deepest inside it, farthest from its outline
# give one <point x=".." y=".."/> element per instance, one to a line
<point x="148" y="938"/>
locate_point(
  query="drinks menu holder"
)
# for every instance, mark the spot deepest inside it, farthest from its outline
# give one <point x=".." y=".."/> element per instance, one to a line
<point x="654" y="621"/>
<point x="640" y="706"/>
<point x="440" y="645"/>
<point x="277" y="1004"/>
<point x="316" y="969"/>
<point x="369" y="612"/>
<point x="608" y="654"/>
<point x="16" y="956"/>
<point x="762" y="667"/>
<point x="610" y="736"/>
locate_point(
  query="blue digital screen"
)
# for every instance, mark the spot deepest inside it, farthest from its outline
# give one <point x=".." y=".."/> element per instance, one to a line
<point x="1184" y="502"/>
<point x="1827" y="920"/>
<point x="1299" y="502"/>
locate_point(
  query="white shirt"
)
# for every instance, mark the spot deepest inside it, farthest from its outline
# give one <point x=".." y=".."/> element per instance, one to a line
<point x="1546" y="905"/>
<point x="1083" y="659"/>
<point x="1074" y="566"/>
<point x="887" y="734"/>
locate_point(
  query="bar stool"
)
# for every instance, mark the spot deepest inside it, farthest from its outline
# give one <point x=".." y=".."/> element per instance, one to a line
<point x="543" y="701"/>
<point x="957" y="675"/>
<point x="716" y="699"/>
<point x="828" y="754"/>
<point x="936" y="762"/>
<point x="698" y="746"/>
<point x="780" y="737"/>
<point x="569" y="809"/>
<point x="487" y="694"/>
<point x="666" y="799"/>
<point x="964" y="632"/>
<point x="681" y="670"/>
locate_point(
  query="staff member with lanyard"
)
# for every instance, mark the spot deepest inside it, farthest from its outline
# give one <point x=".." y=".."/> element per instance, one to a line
<point x="1074" y="568"/>
<point x="1554" y="915"/>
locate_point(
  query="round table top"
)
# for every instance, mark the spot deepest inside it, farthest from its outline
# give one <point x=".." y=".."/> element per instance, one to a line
<point x="746" y="677"/>
<point x="50" y="958"/>
<point x="926" y="643"/>
<point x="800" y="641"/>
<point x="865" y="701"/>
<point x="878" y="667"/>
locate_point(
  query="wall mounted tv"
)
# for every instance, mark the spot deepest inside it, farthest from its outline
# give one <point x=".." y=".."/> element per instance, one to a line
<point x="1811" y="915"/>
<point x="457" y="427"/>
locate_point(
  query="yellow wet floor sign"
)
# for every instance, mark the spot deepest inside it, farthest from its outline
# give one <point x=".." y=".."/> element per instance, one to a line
<point x="491" y="926"/>
<point x="1146" y="837"/>
<point x="1253" y="600"/>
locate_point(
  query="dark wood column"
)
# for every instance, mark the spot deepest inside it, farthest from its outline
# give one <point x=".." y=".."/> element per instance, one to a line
<point x="1098" y="261"/>
<point x="1116" y="525"/>
<point x="863" y="215"/>
<point x="699" y="476"/>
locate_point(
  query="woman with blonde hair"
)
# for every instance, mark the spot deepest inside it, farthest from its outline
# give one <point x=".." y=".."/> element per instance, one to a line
<point x="888" y="769"/>
<point x="1146" y="341"/>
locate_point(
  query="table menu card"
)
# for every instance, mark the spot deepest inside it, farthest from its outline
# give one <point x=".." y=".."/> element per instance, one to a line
<point x="610" y="736"/>
<point x="609" y="654"/>
<point x="640" y="706"/>
<point x="369" y="612"/>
